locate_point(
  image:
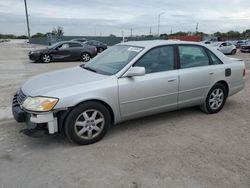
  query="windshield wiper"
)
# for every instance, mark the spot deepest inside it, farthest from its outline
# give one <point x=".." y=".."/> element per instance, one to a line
<point x="88" y="68"/>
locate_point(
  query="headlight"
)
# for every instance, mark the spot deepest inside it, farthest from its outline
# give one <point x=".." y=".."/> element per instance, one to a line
<point x="40" y="104"/>
<point x="34" y="52"/>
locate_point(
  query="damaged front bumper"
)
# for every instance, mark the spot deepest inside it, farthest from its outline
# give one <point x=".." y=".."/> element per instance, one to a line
<point x="32" y="119"/>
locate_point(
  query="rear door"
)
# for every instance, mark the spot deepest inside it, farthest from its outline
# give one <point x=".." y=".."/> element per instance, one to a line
<point x="195" y="75"/>
<point x="154" y="92"/>
<point x="75" y="50"/>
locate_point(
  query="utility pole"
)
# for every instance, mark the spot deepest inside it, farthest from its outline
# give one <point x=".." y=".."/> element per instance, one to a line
<point x="122" y="36"/>
<point x="150" y="30"/>
<point x="27" y="19"/>
<point x="197" y="27"/>
<point x="159" y="21"/>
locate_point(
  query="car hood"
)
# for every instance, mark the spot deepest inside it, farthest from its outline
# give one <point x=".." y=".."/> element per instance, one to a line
<point x="45" y="83"/>
<point x="40" y="50"/>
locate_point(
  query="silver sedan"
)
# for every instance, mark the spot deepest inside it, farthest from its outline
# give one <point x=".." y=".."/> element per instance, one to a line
<point x="127" y="81"/>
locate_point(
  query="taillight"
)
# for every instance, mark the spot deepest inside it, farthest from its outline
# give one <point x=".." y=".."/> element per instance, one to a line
<point x="244" y="72"/>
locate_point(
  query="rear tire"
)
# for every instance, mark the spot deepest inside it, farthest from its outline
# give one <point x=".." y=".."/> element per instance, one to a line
<point x="215" y="100"/>
<point x="85" y="57"/>
<point x="87" y="123"/>
<point x="100" y="50"/>
<point x="233" y="52"/>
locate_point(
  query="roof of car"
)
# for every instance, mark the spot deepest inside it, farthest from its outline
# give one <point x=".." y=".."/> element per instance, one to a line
<point x="153" y="43"/>
<point x="70" y="41"/>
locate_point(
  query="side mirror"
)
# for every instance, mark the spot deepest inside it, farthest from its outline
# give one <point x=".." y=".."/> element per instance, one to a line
<point x="135" y="71"/>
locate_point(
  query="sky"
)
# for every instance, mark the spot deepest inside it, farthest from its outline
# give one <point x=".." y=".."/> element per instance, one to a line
<point x="101" y="18"/>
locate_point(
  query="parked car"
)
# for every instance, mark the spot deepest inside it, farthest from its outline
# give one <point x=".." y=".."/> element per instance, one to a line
<point x="245" y="48"/>
<point x="127" y="81"/>
<point x="64" y="51"/>
<point x="239" y="43"/>
<point x="207" y="42"/>
<point x="80" y="39"/>
<point x="225" y="47"/>
<point x="100" y="46"/>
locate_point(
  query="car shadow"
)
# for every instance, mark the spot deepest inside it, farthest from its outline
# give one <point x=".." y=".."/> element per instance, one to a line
<point x="153" y="120"/>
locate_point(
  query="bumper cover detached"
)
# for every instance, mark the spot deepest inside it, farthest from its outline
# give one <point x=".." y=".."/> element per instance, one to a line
<point x="33" y="120"/>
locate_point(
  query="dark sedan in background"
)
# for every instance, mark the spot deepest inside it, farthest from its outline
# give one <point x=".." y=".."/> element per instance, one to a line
<point x="64" y="51"/>
<point x="100" y="46"/>
<point x="245" y="48"/>
<point x="79" y="39"/>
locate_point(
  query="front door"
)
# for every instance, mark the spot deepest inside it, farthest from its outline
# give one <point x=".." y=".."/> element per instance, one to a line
<point x="62" y="52"/>
<point x="154" y="92"/>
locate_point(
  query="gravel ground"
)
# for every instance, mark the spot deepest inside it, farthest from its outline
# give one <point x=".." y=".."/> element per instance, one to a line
<point x="184" y="148"/>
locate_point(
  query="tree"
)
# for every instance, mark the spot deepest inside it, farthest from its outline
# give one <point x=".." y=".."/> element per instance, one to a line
<point x="246" y="33"/>
<point x="164" y="35"/>
<point x="112" y="35"/>
<point x="58" y="32"/>
<point x="38" y="35"/>
<point x="22" y="37"/>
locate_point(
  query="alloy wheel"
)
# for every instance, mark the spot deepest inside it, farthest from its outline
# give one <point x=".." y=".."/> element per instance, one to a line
<point x="89" y="124"/>
<point x="216" y="99"/>
<point x="85" y="57"/>
<point x="46" y="58"/>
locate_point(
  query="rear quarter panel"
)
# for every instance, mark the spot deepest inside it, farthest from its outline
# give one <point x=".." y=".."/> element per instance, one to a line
<point x="235" y="81"/>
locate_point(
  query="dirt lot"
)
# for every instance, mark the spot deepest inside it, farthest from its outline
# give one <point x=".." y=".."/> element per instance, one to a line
<point x="184" y="148"/>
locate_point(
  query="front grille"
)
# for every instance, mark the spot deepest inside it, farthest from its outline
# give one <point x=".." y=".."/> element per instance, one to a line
<point x="245" y="47"/>
<point x="18" y="99"/>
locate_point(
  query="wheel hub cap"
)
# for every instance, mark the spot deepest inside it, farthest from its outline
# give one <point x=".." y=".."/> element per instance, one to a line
<point x="216" y="99"/>
<point x="89" y="124"/>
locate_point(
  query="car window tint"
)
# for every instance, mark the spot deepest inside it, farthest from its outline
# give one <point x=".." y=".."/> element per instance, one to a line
<point x="158" y="59"/>
<point x="192" y="56"/>
<point x="214" y="58"/>
<point x="71" y="45"/>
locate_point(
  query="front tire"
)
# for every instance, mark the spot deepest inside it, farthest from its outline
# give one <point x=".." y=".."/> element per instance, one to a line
<point x="87" y="123"/>
<point x="45" y="58"/>
<point x="215" y="100"/>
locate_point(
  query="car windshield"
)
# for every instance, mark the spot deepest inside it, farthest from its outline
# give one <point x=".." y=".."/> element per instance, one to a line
<point x="54" y="45"/>
<point x="113" y="59"/>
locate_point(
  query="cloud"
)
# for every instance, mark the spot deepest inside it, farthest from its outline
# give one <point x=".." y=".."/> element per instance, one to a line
<point x="91" y="17"/>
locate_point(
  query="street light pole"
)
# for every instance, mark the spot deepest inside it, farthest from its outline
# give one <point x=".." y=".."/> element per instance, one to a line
<point x="27" y="19"/>
<point x="159" y="20"/>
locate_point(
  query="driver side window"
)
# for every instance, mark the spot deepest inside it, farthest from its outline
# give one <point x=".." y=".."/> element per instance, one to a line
<point x="157" y="60"/>
<point x="64" y="46"/>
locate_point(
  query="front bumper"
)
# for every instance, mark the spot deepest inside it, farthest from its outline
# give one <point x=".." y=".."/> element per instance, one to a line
<point x="245" y="49"/>
<point x="34" y="56"/>
<point x="33" y="120"/>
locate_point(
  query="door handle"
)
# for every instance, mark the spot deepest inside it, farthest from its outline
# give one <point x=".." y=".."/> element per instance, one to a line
<point x="211" y="73"/>
<point x="171" y="80"/>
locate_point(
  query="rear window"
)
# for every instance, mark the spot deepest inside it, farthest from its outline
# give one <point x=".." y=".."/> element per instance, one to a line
<point x="192" y="56"/>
